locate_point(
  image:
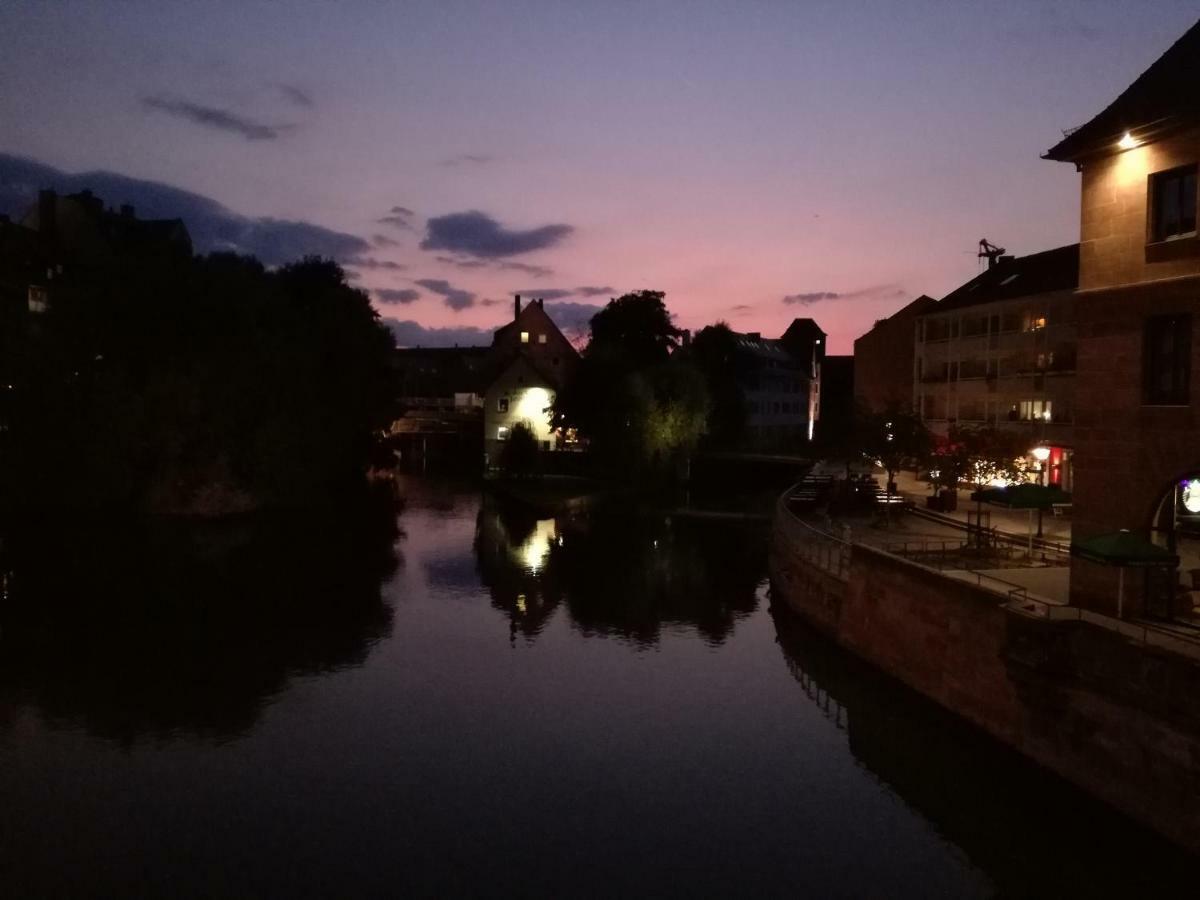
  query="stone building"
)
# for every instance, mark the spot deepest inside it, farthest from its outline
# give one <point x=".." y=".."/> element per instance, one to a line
<point x="778" y="390"/>
<point x="884" y="359"/>
<point x="1137" y="432"/>
<point x="1000" y="351"/>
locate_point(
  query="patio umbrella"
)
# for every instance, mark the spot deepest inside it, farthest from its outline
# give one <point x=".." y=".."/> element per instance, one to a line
<point x="1125" y="550"/>
<point x="1023" y="496"/>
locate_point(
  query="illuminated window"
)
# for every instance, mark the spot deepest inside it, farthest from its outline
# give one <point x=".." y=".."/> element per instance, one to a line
<point x="524" y="337"/>
<point x="1034" y="322"/>
<point x="502" y="405"/>
<point x="1166" y="360"/>
<point x="502" y="433"/>
<point x="1035" y="410"/>
<point x="1173" y="204"/>
<point x="541" y="339"/>
<point x="39" y="299"/>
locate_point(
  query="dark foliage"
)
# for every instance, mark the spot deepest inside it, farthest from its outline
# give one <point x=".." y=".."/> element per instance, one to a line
<point x="197" y="385"/>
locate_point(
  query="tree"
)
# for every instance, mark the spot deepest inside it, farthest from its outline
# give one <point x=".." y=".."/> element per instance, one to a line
<point x="634" y="330"/>
<point x="895" y="438"/>
<point x="670" y="408"/>
<point x="979" y="455"/>
<point x="519" y="455"/>
<point x="713" y="352"/>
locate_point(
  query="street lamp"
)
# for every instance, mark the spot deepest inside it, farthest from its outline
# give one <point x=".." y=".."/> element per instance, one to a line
<point x="1041" y="453"/>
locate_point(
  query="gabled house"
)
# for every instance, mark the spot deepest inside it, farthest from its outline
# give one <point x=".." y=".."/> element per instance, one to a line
<point x="530" y="361"/>
<point x="1137" y="426"/>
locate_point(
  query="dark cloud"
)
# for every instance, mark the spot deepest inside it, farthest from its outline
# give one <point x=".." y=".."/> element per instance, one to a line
<point x="370" y="263"/>
<point x="382" y="240"/>
<point x="297" y="95"/>
<point x="463" y="263"/>
<point x="455" y="298"/>
<point x="476" y="234"/>
<point x="879" y="292"/>
<point x="398" y="217"/>
<point x="220" y="119"/>
<point x="401" y="295"/>
<point x="742" y="307"/>
<point x="413" y="334"/>
<point x="545" y="293"/>
<point x="573" y="318"/>
<point x="211" y="225"/>
<point x="595" y="291"/>
<point x="490" y="301"/>
<point x="467" y="159"/>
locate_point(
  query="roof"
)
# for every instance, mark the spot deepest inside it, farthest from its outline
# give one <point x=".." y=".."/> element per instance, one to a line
<point x="1011" y="277"/>
<point x="1163" y="97"/>
<point x="548" y="376"/>
<point x="763" y="348"/>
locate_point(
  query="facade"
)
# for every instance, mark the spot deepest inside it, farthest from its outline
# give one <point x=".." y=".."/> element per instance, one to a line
<point x="884" y="359"/>
<point x="1137" y="430"/>
<point x="1000" y="351"/>
<point x="528" y="363"/>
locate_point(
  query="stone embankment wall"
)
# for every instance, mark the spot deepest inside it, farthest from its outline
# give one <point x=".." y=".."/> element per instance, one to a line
<point x="1116" y="717"/>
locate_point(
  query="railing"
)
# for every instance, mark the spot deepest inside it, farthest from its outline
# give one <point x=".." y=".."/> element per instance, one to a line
<point x="818" y="548"/>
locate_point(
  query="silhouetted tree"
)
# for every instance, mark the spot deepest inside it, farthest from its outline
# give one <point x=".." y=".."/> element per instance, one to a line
<point x="713" y="351"/>
<point x="519" y="455"/>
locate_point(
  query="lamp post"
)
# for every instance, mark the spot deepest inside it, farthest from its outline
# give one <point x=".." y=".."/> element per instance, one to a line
<point x="1041" y="453"/>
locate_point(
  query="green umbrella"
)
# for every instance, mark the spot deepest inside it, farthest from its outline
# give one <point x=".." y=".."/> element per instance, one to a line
<point x="1024" y="496"/>
<point x="1125" y="550"/>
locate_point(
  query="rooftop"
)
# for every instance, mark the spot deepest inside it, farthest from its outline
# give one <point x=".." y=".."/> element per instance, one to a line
<point x="1012" y="277"/>
<point x="1163" y="97"/>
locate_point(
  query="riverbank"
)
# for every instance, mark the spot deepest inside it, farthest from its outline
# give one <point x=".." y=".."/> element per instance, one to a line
<point x="1115" y="715"/>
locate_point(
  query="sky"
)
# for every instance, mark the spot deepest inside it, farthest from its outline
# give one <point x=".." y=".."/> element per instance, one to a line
<point x="757" y="161"/>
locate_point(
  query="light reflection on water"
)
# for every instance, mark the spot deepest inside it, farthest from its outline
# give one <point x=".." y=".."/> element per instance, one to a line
<point x="489" y="700"/>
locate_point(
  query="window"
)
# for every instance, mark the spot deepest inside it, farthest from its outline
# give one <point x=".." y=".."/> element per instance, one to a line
<point x="39" y="299"/>
<point x="524" y="337"/>
<point x="1173" y="204"/>
<point x="541" y="339"/>
<point x="1166" y="360"/>
<point x="502" y="433"/>
<point x="502" y="405"/>
<point x="1035" y="410"/>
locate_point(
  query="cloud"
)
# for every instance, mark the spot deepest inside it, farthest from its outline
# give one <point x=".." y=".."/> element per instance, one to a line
<point x="463" y="263"/>
<point x="530" y="270"/>
<point x="466" y="262"/>
<point x="476" y="234"/>
<point x="879" y="292"/>
<point x="382" y="240"/>
<point x="220" y="119"/>
<point x="491" y="302"/>
<point x="742" y="308"/>
<point x="413" y="334"/>
<point x="595" y="291"/>
<point x="398" y="217"/>
<point x="212" y="226"/>
<point x="372" y="264"/>
<point x="401" y="295"/>
<point x="296" y="95"/>
<point x="573" y="318"/>
<point x="467" y="159"/>
<point x="545" y="293"/>
<point x="455" y="298"/>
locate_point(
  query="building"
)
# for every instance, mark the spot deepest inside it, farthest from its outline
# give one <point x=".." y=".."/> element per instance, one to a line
<point x="836" y="418"/>
<point x="529" y="362"/>
<point x="1000" y="351"/>
<point x="81" y="232"/>
<point x="884" y="359"/>
<point x="1137" y="431"/>
<point x="777" y="393"/>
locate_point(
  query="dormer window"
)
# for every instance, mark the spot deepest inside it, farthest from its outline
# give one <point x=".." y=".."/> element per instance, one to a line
<point x="524" y="337"/>
<point x="1173" y="204"/>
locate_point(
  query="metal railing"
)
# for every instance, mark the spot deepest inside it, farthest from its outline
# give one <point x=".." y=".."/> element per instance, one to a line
<point x="816" y="547"/>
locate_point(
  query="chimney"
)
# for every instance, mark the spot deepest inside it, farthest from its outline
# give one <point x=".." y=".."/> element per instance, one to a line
<point x="47" y="213"/>
<point x="517" y="308"/>
<point x="541" y="303"/>
<point x="126" y="211"/>
<point x="754" y="336"/>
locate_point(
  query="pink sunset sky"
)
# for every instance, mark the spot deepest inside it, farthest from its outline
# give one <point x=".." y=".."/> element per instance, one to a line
<point x="845" y="156"/>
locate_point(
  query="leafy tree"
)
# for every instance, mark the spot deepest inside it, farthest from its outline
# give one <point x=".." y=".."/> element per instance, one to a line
<point x="895" y="438"/>
<point x="519" y="455"/>
<point x="979" y="455"/>
<point x="713" y="352"/>
<point x="670" y="407"/>
<point x="634" y="330"/>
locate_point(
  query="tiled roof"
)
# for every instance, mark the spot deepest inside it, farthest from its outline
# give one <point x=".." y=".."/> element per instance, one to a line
<point x="1023" y="276"/>
<point x="1164" y="96"/>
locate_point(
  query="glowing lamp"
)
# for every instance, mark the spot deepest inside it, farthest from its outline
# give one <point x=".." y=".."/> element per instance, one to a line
<point x="1190" y="495"/>
<point x="1128" y="142"/>
<point x="1041" y="453"/>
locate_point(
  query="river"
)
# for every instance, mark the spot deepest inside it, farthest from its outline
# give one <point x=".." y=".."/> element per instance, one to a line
<point x="465" y="697"/>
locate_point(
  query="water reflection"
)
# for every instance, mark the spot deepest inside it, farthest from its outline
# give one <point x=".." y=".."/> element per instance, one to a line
<point x="617" y="572"/>
<point x="1031" y="832"/>
<point x="174" y="629"/>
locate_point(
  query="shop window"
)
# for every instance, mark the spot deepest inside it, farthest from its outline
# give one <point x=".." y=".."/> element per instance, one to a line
<point x="1173" y="204"/>
<point x="1166" y="360"/>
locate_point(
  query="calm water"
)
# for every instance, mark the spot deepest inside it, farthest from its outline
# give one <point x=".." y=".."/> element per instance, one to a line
<point x="472" y="699"/>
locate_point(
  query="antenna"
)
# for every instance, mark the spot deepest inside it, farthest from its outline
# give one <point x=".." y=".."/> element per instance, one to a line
<point x="990" y="252"/>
